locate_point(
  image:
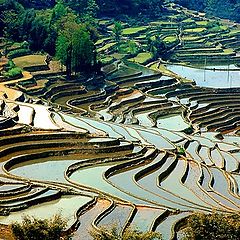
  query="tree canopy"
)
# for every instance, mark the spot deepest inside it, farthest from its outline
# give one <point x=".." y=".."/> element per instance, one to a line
<point x="74" y="47"/>
<point x="223" y="8"/>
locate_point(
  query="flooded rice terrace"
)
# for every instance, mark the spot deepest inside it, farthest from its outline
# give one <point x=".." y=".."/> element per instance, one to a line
<point x="153" y="150"/>
<point x="228" y="75"/>
<point x="143" y="143"/>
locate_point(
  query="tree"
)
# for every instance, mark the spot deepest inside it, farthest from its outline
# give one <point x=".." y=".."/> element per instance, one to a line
<point x="155" y="46"/>
<point x="221" y="8"/>
<point x="132" y="47"/>
<point x="152" y="8"/>
<point x="130" y="7"/>
<point x="26" y="18"/>
<point x="77" y="5"/>
<point x="38" y="33"/>
<point x="29" y="25"/>
<point x="36" y="229"/>
<point x="75" y="49"/>
<point x="213" y="226"/>
<point x="117" y="31"/>
<point x="59" y="11"/>
<point x="9" y="21"/>
<point x="86" y="8"/>
<point x="90" y="12"/>
<point x="237" y="12"/>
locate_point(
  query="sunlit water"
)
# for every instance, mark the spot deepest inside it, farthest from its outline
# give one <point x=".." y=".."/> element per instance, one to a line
<point x="209" y="78"/>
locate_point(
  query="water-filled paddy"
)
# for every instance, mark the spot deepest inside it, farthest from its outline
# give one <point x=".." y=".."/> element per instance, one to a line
<point x="172" y="122"/>
<point x="42" y="169"/>
<point x="118" y="217"/>
<point x="145" y="218"/>
<point x="66" y="206"/>
<point x="166" y="226"/>
<point x="86" y="220"/>
<point x="125" y="182"/>
<point x="144" y="119"/>
<point x="208" y="78"/>
<point x="93" y="177"/>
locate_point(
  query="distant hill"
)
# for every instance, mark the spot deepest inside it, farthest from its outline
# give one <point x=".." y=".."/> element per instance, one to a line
<point x="222" y="8"/>
<point x="106" y="7"/>
<point x="130" y="7"/>
<point x="229" y="9"/>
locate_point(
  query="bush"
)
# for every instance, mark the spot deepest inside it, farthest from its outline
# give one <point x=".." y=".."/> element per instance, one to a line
<point x="18" y="53"/>
<point x="213" y="24"/>
<point x="133" y="234"/>
<point x="13" y="73"/>
<point x="36" y="229"/>
<point x="189" y="130"/>
<point x="213" y="226"/>
<point x="10" y="65"/>
<point x="181" y="151"/>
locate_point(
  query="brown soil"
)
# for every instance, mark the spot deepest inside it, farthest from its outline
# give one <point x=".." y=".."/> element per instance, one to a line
<point x="6" y="233"/>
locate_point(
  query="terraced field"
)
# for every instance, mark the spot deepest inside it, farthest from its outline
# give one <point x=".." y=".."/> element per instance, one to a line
<point x="142" y="148"/>
<point x="188" y="38"/>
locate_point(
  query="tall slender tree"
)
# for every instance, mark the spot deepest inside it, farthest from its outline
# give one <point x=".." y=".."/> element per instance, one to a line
<point x="75" y="49"/>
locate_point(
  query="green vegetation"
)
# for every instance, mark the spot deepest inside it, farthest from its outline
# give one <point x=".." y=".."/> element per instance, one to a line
<point x="194" y="30"/>
<point x="36" y="229"/>
<point x="18" y="53"/>
<point x="190" y="38"/>
<point x="59" y="28"/>
<point x="117" y="31"/>
<point x="107" y="60"/>
<point x="213" y="226"/>
<point x="68" y="30"/>
<point x="188" y="20"/>
<point x="141" y="58"/>
<point x="138" y="36"/>
<point x="30" y="60"/>
<point x="111" y="8"/>
<point x="202" y="23"/>
<point x="89" y="8"/>
<point x="13" y="73"/>
<point x="113" y="234"/>
<point x="170" y="39"/>
<point x="222" y="8"/>
<point x="74" y="47"/>
<point x="106" y="47"/>
<point x="181" y="151"/>
<point x="134" y="30"/>
<point x="100" y="41"/>
<point x="128" y="47"/>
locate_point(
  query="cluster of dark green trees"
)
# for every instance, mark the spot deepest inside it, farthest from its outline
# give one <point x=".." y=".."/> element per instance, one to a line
<point x="130" y="7"/>
<point x="40" y="28"/>
<point x="103" y="7"/>
<point x="222" y="8"/>
<point x="219" y="226"/>
<point x="229" y="9"/>
<point x="60" y="31"/>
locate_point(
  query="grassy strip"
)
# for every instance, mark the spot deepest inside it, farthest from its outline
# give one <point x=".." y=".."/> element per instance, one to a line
<point x="134" y="30"/>
<point x="141" y="58"/>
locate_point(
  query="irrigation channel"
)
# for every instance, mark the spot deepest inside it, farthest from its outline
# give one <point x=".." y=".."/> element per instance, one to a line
<point x="141" y="149"/>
